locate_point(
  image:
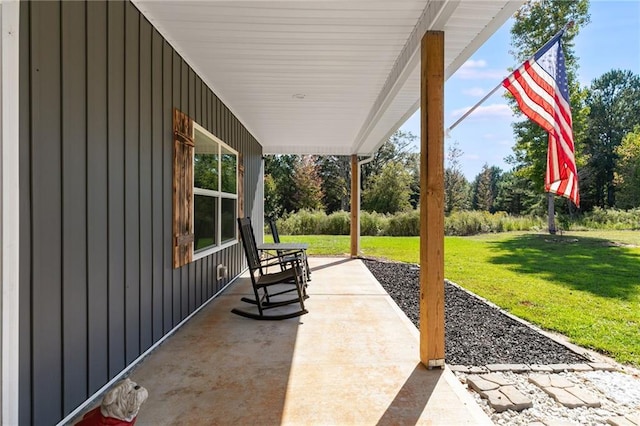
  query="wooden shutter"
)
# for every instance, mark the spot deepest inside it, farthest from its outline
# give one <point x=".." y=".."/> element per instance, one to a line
<point x="183" y="146"/>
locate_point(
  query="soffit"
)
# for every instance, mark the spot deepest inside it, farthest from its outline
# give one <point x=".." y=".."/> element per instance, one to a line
<point x="354" y="63"/>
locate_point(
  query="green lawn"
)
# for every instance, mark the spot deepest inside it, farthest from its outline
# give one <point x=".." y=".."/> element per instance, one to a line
<point x="585" y="285"/>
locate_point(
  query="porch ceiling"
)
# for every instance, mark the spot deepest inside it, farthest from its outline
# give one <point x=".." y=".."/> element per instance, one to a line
<point x="319" y="76"/>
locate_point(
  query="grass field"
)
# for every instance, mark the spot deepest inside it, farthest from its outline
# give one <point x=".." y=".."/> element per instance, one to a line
<point x="585" y="285"/>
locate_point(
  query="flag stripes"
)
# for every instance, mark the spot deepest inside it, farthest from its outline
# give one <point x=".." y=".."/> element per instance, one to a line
<point x="540" y="87"/>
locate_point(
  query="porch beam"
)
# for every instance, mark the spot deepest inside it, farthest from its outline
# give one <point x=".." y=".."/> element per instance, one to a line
<point x="355" y="206"/>
<point x="432" y="200"/>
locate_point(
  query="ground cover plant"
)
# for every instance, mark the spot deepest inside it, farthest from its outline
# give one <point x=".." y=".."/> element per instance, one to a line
<point x="584" y="285"/>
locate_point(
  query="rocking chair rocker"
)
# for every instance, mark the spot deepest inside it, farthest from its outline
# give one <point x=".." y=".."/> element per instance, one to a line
<point x="267" y="287"/>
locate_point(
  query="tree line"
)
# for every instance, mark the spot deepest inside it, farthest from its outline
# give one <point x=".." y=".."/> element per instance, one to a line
<point x="606" y="123"/>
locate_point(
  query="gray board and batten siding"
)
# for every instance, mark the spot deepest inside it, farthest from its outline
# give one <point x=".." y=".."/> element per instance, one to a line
<point x="98" y="85"/>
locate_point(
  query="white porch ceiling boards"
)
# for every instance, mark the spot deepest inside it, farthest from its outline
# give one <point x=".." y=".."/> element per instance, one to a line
<point x="354" y="62"/>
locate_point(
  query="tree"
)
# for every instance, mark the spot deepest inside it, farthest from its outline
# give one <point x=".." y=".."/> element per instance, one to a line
<point x="280" y="168"/>
<point x="335" y="172"/>
<point x="412" y="165"/>
<point x="308" y="185"/>
<point x="536" y="22"/>
<point x="388" y="192"/>
<point x="397" y="148"/>
<point x="614" y="110"/>
<point x="627" y="175"/>
<point x="272" y="201"/>
<point x="485" y="188"/>
<point x="516" y="194"/>
<point x="456" y="186"/>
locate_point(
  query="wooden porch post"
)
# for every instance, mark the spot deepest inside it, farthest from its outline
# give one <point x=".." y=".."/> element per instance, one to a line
<point x="355" y="205"/>
<point x="432" y="200"/>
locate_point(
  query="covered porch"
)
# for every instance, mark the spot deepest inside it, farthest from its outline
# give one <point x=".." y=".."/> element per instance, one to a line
<point x="353" y="359"/>
<point x="90" y="288"/>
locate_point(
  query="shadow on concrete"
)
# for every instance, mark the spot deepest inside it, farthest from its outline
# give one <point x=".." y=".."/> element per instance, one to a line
<point x="411" y="400"/>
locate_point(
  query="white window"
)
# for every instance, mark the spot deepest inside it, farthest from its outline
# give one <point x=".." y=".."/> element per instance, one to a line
<point x="215" y="193"/>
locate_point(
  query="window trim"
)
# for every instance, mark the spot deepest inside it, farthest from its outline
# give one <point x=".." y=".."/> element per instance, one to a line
<point x="219" y="194"/>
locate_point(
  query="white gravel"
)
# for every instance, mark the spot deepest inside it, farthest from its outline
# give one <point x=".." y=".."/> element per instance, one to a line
<point x="619" y="394"/>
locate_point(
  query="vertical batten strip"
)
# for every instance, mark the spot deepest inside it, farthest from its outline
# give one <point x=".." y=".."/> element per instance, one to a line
<point x="46" y="301"/>
<point x="24" y="280"/>
<point x="97" y="188"/>
<point x="145" y="186"/>
<point x="74" y="213"/>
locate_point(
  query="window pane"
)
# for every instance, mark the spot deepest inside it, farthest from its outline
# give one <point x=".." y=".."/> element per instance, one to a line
<point x="229" y="161"/>
<point x="205" y="162"/>
<point x="205" y="211"/>
<point x="228" y="219"/>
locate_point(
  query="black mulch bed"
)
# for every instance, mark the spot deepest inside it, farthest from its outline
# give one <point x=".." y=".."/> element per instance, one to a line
<point x="475" y="332"/>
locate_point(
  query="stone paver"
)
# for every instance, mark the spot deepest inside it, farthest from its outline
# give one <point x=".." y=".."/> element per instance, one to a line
<point x="564" y="397"/>
<point x="516" y="368"/>
<point x="502" y="394"/>
<point x="602" y="366"/>
<point x="581" y="367"/>
<point x="564" y="391"/>
<point x="622" y="421"/>
<point x="519" y="400"/>
<point x="540" y="380"/>
<point x="498" y="379"/>
<point x="539" y="368"/>
<point x="499" y="391"/>
<point x="545" y="380"/>
<point x="480" y="385"/>
<point x="560" y="382"/>
<point x="558" y="368"/>
<point x="589" y="398"/>
<point x="498" y="400"/>
<point x="459" y="368"/>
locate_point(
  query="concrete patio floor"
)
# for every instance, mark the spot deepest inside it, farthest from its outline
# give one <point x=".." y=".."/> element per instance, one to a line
<point x="352" y="360"/>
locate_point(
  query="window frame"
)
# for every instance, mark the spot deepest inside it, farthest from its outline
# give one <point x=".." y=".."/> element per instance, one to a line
<point x="218" y="195"/>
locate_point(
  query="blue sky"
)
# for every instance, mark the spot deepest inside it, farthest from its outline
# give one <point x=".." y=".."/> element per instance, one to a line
<point x="610" y="41"/>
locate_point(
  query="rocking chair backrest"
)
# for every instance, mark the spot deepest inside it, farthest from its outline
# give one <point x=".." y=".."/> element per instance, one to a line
<point x="249" y="243"/>
<point x="274" y="230"/>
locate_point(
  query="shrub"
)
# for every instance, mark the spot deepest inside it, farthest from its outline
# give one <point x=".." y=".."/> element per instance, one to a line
<point x="404" y="224"/>
<point x="609" y="219"/>
<point x="304" y="222"/>
<point x="337" y="223"/>
<point x="373" y="224"/>
<point x="461" y="223"/>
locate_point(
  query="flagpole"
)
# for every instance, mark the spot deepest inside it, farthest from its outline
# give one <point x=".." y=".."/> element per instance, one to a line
<point x="481" y="101"/>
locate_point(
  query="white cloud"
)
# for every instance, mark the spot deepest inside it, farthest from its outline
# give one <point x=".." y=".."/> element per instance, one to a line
<point x="474" y="70"/>
<point x="480" y="63"/>
<point x="485" y="111"/>
<point x="474" y="91"/>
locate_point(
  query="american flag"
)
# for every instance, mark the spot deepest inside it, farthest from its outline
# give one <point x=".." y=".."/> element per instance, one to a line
<point x="541" y="89"/>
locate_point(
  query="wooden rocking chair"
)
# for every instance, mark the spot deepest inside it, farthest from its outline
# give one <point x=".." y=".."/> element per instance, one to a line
<point x="267" y="287"/>
<point x="285" y="255"/>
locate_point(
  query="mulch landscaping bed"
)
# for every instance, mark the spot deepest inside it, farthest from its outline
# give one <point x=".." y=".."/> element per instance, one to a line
<point x="476" y="333"/>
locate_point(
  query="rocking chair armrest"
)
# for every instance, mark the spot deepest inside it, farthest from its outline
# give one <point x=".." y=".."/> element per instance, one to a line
<point x="278" y="262"/>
